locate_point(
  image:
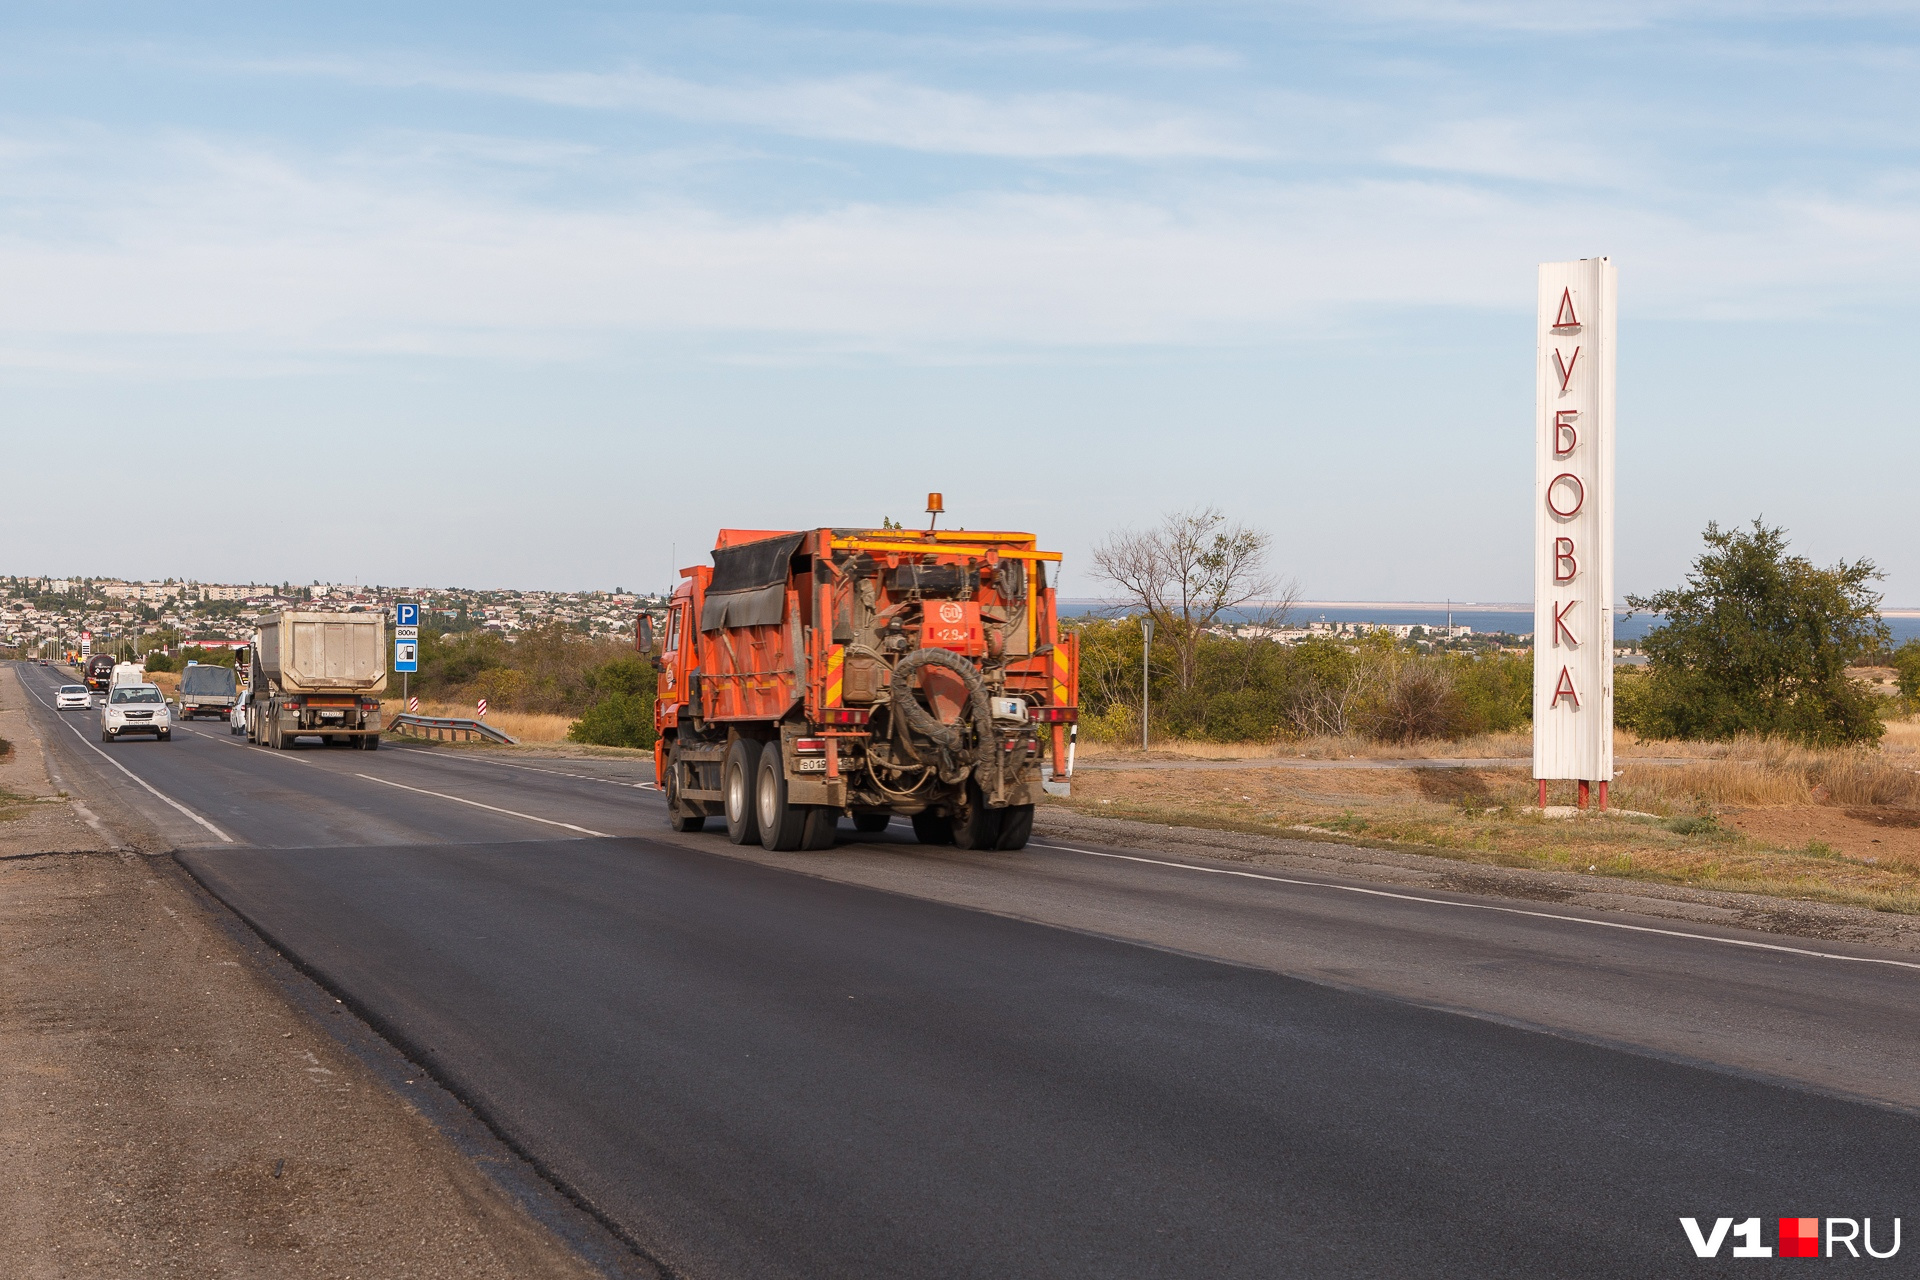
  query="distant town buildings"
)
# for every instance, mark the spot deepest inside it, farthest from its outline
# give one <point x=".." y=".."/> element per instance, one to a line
<point x="1341" y="631"/>
<point x="52" y="615"/>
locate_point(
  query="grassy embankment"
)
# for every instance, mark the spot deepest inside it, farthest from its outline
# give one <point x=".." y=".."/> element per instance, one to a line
<point x="1758" y="817"/>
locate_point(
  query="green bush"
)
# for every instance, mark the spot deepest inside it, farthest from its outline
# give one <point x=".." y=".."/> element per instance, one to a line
<point x="1906" y="666"/>
<point x="546" y="670"/>
<point x="621" y="713"/>
<point x="1255" y="690"/>
<point x="1758" y="642"/>
<point x="157" y="661"/>
<point x="1496" y="691"/>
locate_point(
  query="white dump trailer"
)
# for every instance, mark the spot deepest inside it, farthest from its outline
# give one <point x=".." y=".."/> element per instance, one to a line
<point x="318" y="675"/>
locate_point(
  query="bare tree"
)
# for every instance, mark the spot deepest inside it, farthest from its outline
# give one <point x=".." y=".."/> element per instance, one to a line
<point x="1188" y="570"/>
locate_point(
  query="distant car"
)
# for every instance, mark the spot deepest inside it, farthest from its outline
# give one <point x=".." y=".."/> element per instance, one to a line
<point x="43" y="662"/>
<point x="73" y="695"/>
<point x="135" y="708"/>
<point x="237" y="718"/>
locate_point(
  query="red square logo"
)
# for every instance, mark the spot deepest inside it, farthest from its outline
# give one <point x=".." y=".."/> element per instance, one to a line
<point x="1799" y="1237"/>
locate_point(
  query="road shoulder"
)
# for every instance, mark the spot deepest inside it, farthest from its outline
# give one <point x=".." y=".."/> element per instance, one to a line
<point x="1057" y="823"/>
<point x="166" y="1108"/>
<point x="37" y="812"/>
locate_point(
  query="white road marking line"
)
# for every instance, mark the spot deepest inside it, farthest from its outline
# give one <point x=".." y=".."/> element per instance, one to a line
<point x="584" y="777"/>
<point x="277" y="755"/>
<point x="476" y="804"/>
<point x="1486" y="906"/>
<point x="224" y="837"/>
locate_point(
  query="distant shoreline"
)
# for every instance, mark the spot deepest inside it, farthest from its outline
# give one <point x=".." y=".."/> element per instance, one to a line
<point x="1424" y="606"/>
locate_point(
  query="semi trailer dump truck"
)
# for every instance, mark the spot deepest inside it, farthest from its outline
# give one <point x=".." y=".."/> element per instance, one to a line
<point x="208" y="689"/>
<point x="868" y="673"/>
<point x="318" y="675"/>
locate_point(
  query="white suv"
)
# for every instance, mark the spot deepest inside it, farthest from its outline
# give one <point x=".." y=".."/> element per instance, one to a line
<point x="135" y="708"/>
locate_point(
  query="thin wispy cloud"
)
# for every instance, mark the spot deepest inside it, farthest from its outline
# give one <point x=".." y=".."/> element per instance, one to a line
<point x="875" y="109"/>
<point x="1527" y="150"/>
<point x="1523" y="16"/>
<point x="263" y="254"/>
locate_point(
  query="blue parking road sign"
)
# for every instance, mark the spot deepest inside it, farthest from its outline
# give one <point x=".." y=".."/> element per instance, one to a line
<point x="406" y="637"/>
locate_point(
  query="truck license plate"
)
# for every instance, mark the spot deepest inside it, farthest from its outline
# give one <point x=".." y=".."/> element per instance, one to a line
<point x="810" y="764"/>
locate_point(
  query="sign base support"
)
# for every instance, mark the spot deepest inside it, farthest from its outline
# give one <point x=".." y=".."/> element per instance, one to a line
<point x="1586" y="793"/>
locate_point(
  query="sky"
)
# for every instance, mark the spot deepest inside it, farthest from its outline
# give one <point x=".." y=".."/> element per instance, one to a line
<point x="542" y="295"/>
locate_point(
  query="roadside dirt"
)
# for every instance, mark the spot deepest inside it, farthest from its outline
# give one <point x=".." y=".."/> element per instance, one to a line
<point x="36" y="814"/>
<point x="166" y="1111"/>
<point x="1873" y="834"/>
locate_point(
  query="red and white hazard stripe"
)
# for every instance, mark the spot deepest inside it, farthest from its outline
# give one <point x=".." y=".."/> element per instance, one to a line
<point x="483" y="709"/>
<point x="413" y="706"/>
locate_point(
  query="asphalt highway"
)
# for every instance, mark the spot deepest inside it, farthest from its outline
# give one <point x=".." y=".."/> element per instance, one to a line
<point x="888" y="1060"/>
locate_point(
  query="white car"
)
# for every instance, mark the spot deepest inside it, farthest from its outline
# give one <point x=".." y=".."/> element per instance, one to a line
<point x="136" y="708"/>
<point x="237" y="718"/>
<point x="73" y="695"/>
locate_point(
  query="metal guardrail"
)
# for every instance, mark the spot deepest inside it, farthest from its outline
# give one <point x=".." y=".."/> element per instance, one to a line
<point x="443" y="729"/>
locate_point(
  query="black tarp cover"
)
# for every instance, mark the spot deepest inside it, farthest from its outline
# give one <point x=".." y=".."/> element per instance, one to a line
<point x="749" y="587"/>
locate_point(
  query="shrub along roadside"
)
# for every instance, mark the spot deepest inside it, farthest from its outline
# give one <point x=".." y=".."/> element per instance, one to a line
<point x="603" y="684"/>
<point x="1260" y="691"/>
<point x="1758" y="642"/>
<point x="621" y="711"/>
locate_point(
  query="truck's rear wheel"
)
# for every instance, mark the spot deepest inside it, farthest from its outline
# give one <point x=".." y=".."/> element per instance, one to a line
<point x="371" y="742"/>
<point x="821" y="824"/>
<point x="871" y="822"/>
<point x="736" y="783"/>
<point x="933" y="828"/>
<point x="977" y="827"/>
<point x="680" y="815"/>
<point x="1016" y="826"/>
<point x="783" y="826"/>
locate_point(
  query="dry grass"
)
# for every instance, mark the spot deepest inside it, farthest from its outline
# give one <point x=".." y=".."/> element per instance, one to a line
<point x="1752" y="816"/>
<point x="1773" y="773"/>
<point x="1483" y="815"/>
<point x="1491" y="746"/>
<point x="527" y="726"/>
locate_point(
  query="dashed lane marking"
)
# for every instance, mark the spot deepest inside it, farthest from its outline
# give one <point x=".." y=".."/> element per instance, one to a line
<point x="511" y="813"/>
<point x="504" y="764"/>
<point x="1487" y="906"/>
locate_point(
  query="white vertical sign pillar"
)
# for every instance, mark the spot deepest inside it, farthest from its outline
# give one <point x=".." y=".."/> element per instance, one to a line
<point x="1573" y="526"/>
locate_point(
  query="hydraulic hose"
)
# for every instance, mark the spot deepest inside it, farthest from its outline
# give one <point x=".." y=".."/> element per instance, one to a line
<point x="922" y="721"/>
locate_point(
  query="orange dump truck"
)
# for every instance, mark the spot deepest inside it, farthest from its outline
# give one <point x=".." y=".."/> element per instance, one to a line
<point x="865" y="672"/>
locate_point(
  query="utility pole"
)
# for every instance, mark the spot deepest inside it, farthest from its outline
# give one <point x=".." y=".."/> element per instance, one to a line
<point x="1146" y="651"/>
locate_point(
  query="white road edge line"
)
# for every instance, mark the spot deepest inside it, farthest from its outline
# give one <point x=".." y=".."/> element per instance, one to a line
<point x="1486" y="906"/>
<point x="122" y="768"/>
<point x="476" y="804"/>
